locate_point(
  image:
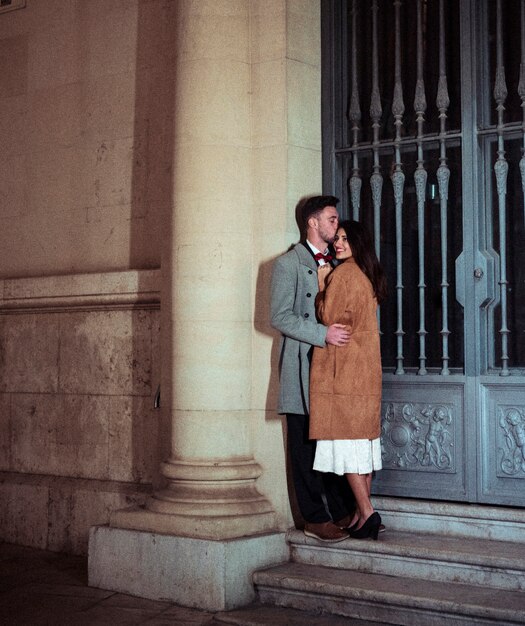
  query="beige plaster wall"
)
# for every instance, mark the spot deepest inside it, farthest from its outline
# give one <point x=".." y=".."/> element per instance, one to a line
<point x="84" y="129"/>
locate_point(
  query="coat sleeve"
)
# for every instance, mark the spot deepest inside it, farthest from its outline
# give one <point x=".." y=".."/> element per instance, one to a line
<point x="283" y="317"/>
<point x="332" y="303"/>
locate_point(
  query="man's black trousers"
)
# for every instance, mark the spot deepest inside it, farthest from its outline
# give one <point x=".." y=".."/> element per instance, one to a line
<point x="320" y="496"/>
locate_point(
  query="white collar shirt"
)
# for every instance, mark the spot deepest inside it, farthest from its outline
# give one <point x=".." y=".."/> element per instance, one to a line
<point x="316" y="251"/>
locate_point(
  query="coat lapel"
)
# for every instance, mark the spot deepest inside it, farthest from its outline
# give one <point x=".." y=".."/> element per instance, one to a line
<point x="306" y="256"/>
<point x="309" y="254"/>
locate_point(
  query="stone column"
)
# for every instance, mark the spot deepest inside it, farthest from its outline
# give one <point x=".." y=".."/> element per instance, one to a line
<point x="210" y="497"/>
<point x="207" y="286"/>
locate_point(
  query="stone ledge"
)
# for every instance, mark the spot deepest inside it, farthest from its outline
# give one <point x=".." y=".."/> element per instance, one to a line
<point x="88" y="484"/>
<point x="127" y="289"/>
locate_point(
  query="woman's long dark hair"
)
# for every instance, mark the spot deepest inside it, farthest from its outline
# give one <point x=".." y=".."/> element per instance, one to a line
<point x="364" y="253"/>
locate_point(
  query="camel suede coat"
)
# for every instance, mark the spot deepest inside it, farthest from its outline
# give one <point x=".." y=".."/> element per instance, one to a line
<point x="345" y="381"/>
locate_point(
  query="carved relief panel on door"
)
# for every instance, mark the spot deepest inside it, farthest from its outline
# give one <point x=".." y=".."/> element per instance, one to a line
<point x="418" y="436"/>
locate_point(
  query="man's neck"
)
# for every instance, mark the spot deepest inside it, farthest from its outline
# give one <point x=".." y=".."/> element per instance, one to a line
<point x="319" y="243"/>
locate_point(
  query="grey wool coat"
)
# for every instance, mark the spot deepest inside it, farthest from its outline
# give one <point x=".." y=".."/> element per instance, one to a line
<point x="292" y="308"/>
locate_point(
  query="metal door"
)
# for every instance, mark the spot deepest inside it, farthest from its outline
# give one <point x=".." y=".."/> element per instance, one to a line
<point x="423" y="138"/>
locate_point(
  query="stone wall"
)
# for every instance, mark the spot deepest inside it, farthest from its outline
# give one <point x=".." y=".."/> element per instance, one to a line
<point x="79" y="368"/>
<point x="85" y="187"/>
<point x="87" y="91"/>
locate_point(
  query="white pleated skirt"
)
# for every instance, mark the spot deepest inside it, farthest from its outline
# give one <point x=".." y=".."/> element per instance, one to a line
<point x="348" y="456"/>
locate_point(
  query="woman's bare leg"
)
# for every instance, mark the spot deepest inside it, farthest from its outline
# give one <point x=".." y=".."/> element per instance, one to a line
<point x="360" y="485"/>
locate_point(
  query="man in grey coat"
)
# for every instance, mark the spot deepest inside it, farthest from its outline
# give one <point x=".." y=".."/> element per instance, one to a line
<point x="323" y="499"/>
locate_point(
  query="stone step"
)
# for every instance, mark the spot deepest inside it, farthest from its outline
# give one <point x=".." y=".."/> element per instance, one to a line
<point x="484" y="562"/>
<point x="452" y="519"/>
<point x="257" y="614"/>
<point x="388" y="599"/>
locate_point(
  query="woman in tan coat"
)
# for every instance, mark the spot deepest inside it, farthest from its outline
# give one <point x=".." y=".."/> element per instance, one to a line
<point x="345" y="381"/>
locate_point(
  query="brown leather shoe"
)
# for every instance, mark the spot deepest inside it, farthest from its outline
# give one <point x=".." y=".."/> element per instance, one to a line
<point x="343" y="523"/>
<point x="325" y="531"/>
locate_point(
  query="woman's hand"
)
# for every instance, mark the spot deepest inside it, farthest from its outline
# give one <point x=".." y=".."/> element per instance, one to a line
<point x="322" y="274"/>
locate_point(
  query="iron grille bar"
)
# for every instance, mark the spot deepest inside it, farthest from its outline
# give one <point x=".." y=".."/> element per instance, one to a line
<point x="501" y="168"/>
<point x="521" y="92"/>
<point x="443" y="177"/>
<point x="355" y="118"/>
<point x="383" y="146"/>
<point x="376" y="180"/>
<point x="420" y="177"/>
<point x="509" y="127"/>
<point x="398" y="182"/>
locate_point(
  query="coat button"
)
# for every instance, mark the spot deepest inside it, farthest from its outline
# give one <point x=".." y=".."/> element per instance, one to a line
<point x="307" y="314"/>
<point x="308" y="295"/>
<point x="310" y="272"/>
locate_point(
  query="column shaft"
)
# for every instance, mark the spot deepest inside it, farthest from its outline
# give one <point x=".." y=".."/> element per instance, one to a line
<point x="207" y="305"/>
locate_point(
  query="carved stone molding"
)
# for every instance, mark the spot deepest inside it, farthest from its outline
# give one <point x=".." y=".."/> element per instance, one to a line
<point x="110" y="290"/>
<point x="418" y="436"/>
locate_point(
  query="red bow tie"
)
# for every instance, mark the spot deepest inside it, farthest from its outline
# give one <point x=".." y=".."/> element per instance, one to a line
<point x="324" y="257"/>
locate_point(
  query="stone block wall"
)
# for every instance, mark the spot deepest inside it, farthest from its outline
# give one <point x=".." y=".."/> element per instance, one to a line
<point x="79" y="368"/>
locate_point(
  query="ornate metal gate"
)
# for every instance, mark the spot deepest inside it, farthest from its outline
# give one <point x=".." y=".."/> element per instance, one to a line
<point x="424" y="134"/>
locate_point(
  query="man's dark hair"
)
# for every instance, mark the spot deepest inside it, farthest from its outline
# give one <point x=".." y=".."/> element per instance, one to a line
<point x="315" y="205"/>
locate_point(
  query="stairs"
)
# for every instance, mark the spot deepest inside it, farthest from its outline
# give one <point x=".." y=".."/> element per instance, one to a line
<point x="437" y="564"/>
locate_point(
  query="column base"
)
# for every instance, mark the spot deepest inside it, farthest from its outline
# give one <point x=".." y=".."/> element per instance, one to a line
<point x="214" y="527"/>
<point x="199" y="573"/>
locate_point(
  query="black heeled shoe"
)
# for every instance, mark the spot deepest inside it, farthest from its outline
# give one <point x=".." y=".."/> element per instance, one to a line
<point x="369" y="529"/>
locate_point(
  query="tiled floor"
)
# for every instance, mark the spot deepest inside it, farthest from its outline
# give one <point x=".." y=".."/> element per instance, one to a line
<point x="39" y="588"/>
